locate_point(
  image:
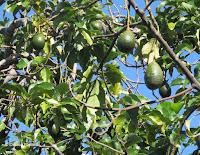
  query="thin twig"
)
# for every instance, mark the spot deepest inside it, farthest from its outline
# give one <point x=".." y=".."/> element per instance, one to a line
<point x="104" y="145"/>
<point x="148" y="5"/>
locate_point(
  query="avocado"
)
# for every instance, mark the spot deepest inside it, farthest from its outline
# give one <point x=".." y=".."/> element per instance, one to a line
<point x="126" y="41"/>
<point x="96" y="25"/>
<point x="38" y="41"/>
<point x="153" y="76"/>
<point x="165" y="90"/>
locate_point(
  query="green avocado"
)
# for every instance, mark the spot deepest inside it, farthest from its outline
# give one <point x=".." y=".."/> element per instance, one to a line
<point x="55" y="129"/>
<point x="165" y="90"/>
<point x="96" y="25"/>
<point x="38" y="41"/>
<point x="25" y="148"/>
<point x="126" y="41"/>
<point x="153" y="76"/>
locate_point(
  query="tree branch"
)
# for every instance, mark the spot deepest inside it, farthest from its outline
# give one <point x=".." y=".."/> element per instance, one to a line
<point x="12" y="59"/>
<point x="15" y="24"/>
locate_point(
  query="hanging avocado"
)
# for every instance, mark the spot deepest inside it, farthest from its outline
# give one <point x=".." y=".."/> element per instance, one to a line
<point x="153" y="76"/>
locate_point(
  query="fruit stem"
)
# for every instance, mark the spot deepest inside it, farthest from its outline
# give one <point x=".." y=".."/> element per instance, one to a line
<point x="128" y="21"/>
<point x="39" y="29"/>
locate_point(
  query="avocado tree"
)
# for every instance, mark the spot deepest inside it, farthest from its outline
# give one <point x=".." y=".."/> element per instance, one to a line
<point x="63" y="78"/>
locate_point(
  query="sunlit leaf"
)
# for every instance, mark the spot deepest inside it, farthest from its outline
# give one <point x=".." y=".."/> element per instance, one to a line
<point x="171" y="26"/>
<point x="177" y="81"/>
<point x="113" y="74"/>
<point x="87" y="37"/>
<point x="95" y="95"/>
<point x="45" y="74"/>
<point x="22" y="63"/>
<point x="187" y="124"/>
<point x="2" y="125"/>
<point x="150" y="50"/>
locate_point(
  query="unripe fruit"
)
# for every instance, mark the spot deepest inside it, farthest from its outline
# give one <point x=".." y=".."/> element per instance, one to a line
<point x="38" y="41"/>
<point x="153" y="76"/>
<point x="25" y="148"/>
<point x="165" y="90"/>
<point x="55" y="129"/>
<point x="126" y="41"/>
<point x="96" y="25"/>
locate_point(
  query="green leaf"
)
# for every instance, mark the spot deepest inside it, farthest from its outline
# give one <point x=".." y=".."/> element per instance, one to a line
<point x="129" y="99"/>
<point x="37" y="132"/>
<point x="29" y="116"/>
<point x="38" y="60"/>
<point x="70" y="108"/>
<point x="64" y="16"/>
<point x="155" y="117"/>
<point x="131" y="139"/>
<point x="87" y="37"/>
<point x="183" y="46"/>
<point x="106" y="139"/>
<point x="166" y="111"/>
<point x="186" y="7"/>
<point x="22" y="63"/>
<point x="150" y="50"/>
<point x="2" y="125"/>
<point x="45" y="74"/>
<point x="63" y="147"/>
<point x="46" y="48"/>
<point x="62" y="88"/>
<point x="11" y="110"/>
<point x="171" y="26"/>
<point x="44" y="107"/>
<point x="10" y="87"/>
<point x="178" y="98"/>
<point x="176" y="107"/>
<point x="113" y="74"/>
<point x="10" y="7"/>
<point x="21" y="89"/>
<point x="187" y="124"/>
<point x="132" y="115"/>
<point x="25" y="3"/>
<point x="197" y="71"/>
<point x="20" y="152"/>
<point x="119" y="122"/>
<point x="52" y="101"/>
<point x="113" y="54"/>
<point x="177" y="81"/>
<point x="95" y="95"/>
<point x="48" y="138"/>
<point x="39" y="86"/>
<point x="117" y="89"/>
<point x="151" y="133"/>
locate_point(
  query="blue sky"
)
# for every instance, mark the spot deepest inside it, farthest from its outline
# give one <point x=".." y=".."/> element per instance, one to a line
<point x="131" y="73"/>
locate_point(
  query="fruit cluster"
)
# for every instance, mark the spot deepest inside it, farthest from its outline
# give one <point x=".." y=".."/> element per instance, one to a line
<point x="154" y="79"/>
<point x="153" y="75"/>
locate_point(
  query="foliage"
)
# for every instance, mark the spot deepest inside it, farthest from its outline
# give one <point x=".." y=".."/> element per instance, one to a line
<point x="73" y="96"/>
